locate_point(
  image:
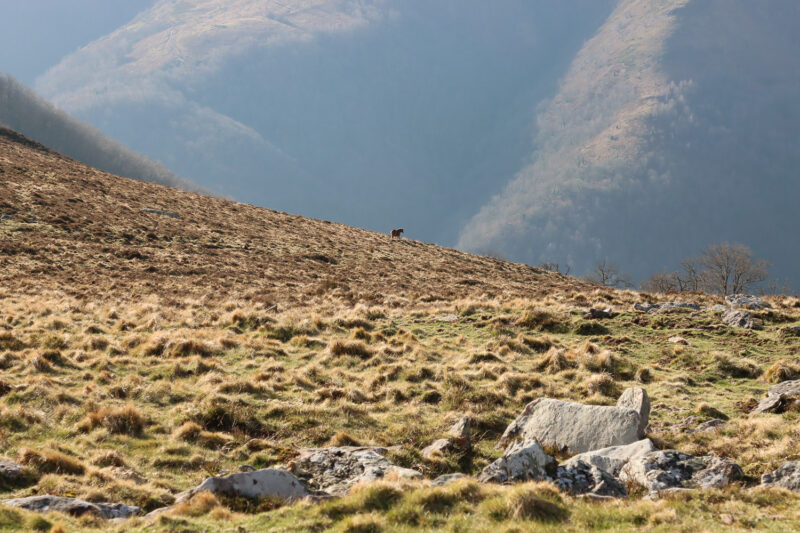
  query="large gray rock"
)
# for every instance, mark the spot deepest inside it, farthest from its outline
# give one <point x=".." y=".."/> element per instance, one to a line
<point x="737" y="319"/>
<point x="73" y="506"/>
<point x="522" y="461"/>
<point x="266" y="483"/>
<point x="670" y="469"/>
<point x="746" y="301"/>
<point x="789" y="389"/>
<point x="779" y="397"/>
<point x="335" y="470"/>
<point x="574" y="427"/>
<point x="636" y="398"/>
<point x="582" y="478"/>
<point x="787" y="477"/>
<point x="613" y="458"/>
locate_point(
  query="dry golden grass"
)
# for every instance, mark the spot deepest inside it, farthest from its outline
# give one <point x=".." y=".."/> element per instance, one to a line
<point x="129" y="378"/>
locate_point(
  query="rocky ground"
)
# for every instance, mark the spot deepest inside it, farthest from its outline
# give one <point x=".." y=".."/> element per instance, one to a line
<point x="339" y="380"/>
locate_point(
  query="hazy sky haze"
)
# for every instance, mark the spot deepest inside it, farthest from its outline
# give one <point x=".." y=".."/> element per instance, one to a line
<point x="36" y="34"/>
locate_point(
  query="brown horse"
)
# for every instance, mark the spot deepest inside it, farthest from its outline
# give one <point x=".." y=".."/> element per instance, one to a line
<point x="396" y="233"/>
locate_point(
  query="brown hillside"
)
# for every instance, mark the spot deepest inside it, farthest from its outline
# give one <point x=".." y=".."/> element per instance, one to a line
<point x="80" y="230"/>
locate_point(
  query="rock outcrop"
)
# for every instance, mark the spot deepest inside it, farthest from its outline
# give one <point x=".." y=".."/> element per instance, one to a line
<point x="746" y="301"/>
<point x="265" y="483"/>
<point x="670" y="469"/>
<point x="666" y="307"/>
<point x="335" y="470"/>
<point x="522" y="461"/>
<point x="636" y="398"/>
<point x="73" y="506"/>
<point x="779" y="397"/>
<point x="580" y="478"/>
<point x="574" y="427"/>
<point x="613" y="458"/>
<point x="738" y="319"/>
<point x="787" y="477"/>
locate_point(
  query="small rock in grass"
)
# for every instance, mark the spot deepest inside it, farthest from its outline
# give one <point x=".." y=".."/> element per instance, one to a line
<point x="522" y="461"/>
<point x="787" y="477"/>
<point x="73" y="506"/>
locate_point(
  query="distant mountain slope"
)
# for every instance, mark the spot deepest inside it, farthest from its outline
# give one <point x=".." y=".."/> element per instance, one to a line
<point x="676" y="126"/>
<point x="70" y="228"/>
<point x="23" y="110"/>
<point x="376" y="113"/>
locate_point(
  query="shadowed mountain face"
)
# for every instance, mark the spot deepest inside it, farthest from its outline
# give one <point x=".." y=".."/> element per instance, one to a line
<point x="676" y="127"/>
<point x="377" y="114"/>
<point x="633" y="130"/>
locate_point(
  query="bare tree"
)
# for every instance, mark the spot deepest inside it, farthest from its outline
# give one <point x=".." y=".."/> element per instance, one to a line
<point x="662" y="282"/>
<point x="608" y="275"/>
<point x="691" y="277"/>
<point x="731" y="268"/>
<point x="555" y="267"/>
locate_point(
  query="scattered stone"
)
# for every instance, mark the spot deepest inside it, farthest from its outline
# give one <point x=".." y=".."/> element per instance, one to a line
<point x="665" y="307"/>
<point x="636" y="398"/>
<point x="594" y="314"/>
<point x="688" y="423"/>
<point x="161" y="212"/>
<point x="670" y="469"/>
<point x="460" y="432"/>
<point x="770" y="404"/>
<point x="789" y="331"/>
<point x="446" y="479"/>
<point x="447" y="318"/>
<point x="437" y="447"/>
<point x="613" y="458"/>
<point x="738" y="319"/>
<point x="265" y="483"/>
<point x="678" y="340"/>
<point x="334" y="470"/>
<point x="708" y="427"/>
<point x="779" y="397"/>
<point x="574" y="427"/>
<point x="787" y="477"/>
<point x="582" y="478"/>
<point x="522" y="461"/>
<point x="746" y="301"/>
<point x="10" y="471"/>
<point x="73" y="506"/>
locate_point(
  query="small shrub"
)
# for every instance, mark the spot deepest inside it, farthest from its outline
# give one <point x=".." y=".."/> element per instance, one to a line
<point x="782" y="370"/>
<point x="736" y="367"/>
<point x="602" y="384"/>
<point x="526" y="503"/>
<point x="539" y="319"/>
<point x="554" y="361"/>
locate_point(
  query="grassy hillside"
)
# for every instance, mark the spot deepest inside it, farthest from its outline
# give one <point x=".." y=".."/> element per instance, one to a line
<point x="142" y="352"/>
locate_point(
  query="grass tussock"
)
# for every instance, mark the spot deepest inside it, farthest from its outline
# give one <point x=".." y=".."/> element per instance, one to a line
<point x="127" y="420"/>
<point x="353" y="348"/>
<point x="51" y="462"/>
